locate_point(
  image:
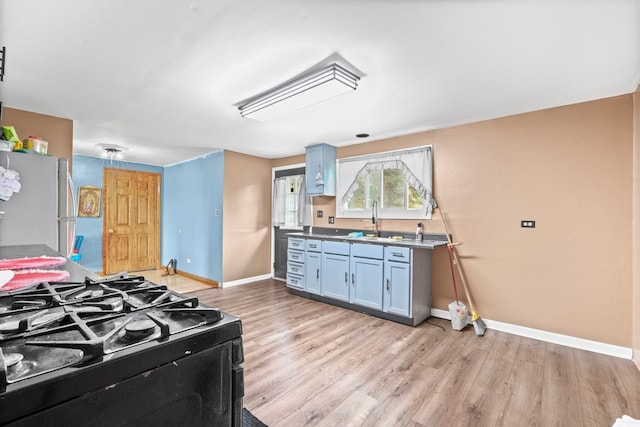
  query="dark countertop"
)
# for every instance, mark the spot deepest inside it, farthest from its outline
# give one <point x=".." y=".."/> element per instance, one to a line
<point x="78" y="273"/>
<point x="430" y="241"/>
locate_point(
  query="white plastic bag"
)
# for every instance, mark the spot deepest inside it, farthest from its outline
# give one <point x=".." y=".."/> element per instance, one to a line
<point x="459" y="315"/>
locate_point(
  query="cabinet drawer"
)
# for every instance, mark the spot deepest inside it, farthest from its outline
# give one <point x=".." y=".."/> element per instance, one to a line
<point x="296" y="243"/>
<point x="397" y="254"/>
<point x="295" y="255"/>
<point x="295" y="281"/>
<point x="314" y="245"/>
<point x="295" y="268"/>
<point x="367" y="251"/>
<point x="338" y="248"/>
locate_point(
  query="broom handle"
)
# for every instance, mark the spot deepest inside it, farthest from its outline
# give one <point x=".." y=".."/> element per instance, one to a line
<point x="455" y="259"/>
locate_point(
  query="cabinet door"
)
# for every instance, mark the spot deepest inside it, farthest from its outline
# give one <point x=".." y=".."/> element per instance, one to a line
<point x="320" y="176"/>
<point x="366" y="282"/>
<point x="397" y="288"/>
<point x="335" y="276"/>
<point x="312" y="277"/>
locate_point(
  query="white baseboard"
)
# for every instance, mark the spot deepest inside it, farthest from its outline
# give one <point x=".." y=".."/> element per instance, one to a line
<point x="245" y="281"/>
<point x="552" y="337"/>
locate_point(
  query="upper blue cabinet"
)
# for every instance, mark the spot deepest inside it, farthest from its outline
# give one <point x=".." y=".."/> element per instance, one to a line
<point x="321" y="170"/>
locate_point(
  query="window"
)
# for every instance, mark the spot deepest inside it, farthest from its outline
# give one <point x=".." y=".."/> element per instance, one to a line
<point x="293" y="184"/>
<point x="290" y="206"/>
<point x="399" y="181"/>
<point x="389" y="186"/>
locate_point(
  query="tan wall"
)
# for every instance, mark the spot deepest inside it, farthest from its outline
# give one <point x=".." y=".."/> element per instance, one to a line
<point x="636" y="226"/>
<point x="58" y="132"/>
<point x="246" y="235"/>
<point x="567" y="168"/>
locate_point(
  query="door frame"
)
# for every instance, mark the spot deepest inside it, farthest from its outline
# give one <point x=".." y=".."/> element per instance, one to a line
<point x="158" y="236"/>
<point x="273" y="234"/>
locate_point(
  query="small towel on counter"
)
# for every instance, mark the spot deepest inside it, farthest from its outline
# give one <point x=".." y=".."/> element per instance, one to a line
<point x="626" y="421"/>
<point x="23" y="278"/>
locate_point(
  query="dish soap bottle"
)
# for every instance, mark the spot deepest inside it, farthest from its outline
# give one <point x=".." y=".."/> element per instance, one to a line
<point x="419" y="232"/>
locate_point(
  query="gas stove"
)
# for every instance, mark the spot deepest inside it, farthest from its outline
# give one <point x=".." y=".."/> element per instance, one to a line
<point x="107" y="347"/>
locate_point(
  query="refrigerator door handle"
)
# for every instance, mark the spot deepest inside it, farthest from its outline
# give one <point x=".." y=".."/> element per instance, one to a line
<point x="74" y="222"/>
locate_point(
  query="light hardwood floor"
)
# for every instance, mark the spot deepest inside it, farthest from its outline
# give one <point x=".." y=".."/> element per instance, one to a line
<point x="175" y="282"/>
<point x="309" y="363"/>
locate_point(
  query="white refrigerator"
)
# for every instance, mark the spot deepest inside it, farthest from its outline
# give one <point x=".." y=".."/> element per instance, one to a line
<point x="43" y="211"/>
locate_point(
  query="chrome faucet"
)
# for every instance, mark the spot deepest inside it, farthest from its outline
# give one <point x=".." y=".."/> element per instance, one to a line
<point x="374" y="217"/>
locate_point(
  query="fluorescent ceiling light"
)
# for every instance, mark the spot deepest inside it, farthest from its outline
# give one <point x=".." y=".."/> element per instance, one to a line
<point x="309" y="89"/>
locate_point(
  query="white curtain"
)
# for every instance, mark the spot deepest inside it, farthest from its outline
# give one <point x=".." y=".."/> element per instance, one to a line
<point x="304" y="206"/>
<point x="278" y="209"/>
<point x="416" y="165"/>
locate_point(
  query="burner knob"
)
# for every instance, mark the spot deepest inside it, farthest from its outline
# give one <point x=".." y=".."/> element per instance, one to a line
<point x="11" y="359"/>
<point x="138" y="329"/>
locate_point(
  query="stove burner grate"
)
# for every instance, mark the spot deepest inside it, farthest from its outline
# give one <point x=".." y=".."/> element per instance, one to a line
<point x="66" y="324"/>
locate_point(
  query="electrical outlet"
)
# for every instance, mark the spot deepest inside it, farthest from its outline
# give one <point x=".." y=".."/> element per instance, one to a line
<point x="332" y="220"/>
<point x="318" y="214"/>
<point x="527" y="223"/>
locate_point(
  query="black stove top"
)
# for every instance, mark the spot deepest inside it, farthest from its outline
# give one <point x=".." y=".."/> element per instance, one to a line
<point x="73" y="337"/>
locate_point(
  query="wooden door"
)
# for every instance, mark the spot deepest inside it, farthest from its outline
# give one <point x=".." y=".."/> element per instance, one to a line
<point x="131" y="226"/>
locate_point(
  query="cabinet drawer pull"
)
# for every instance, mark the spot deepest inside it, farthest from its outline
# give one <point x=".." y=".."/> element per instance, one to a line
<point x="317" y="273"/>
<point x="312" y="246"/>
<point x="346" y="279"/>
<point x="398" y="254"/>
<point x="353" y="279"/>
<point x="387" y="284"/>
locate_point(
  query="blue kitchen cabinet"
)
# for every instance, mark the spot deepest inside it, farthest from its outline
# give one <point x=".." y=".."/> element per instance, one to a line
<point x="397" y="281"/>
<point x="320" y="167"/>
<point x="384" y="279"/>
<point x="313" y="265"/>
<point x="335" y="276"/>
<point x="335" y="270"/>
<point x="366" y="275"/>
<point x="295" y="263"/>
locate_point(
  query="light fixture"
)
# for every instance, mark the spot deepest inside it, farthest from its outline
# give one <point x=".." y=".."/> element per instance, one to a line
<point x="111" y="151"/>
<point x="310" y="88"/>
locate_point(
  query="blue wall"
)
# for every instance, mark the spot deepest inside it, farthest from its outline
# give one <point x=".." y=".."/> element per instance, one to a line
<point x="192" y="192"/>
<point x="89" y="171"/>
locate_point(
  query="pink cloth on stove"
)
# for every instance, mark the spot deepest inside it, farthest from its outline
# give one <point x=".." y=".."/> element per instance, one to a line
<point x="34" y="262"/>
<point x="23" y="278"/>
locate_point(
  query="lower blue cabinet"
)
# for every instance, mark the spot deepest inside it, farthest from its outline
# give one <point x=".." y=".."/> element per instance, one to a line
<point x="397" y="288"/>
<point x="313" y="265"/>
<point x="335" y="276"/>
<point x="393" y="282"/>
<point x="366" y="275"/>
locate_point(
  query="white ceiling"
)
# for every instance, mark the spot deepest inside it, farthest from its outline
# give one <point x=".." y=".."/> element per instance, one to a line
<point x="162" y="77"/>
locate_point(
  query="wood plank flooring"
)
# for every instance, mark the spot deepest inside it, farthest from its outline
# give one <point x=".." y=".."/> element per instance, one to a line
<point x="311" y="364"/>
<point x="175" y="282"/>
